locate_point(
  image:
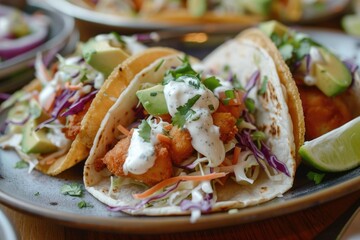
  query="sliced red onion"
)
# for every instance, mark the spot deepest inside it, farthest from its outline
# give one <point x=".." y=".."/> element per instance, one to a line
<point x="61" y="102"/>
<point x="13" y="47"/>
<point x="204" y="206"/>
<point x="4" y="96"/>
<point x="78" y="106"/>
<point x="244" y="139"/>
<point x="19" y="123"/>
<point x="273" y="161"/>
<point x="251" y="83"/>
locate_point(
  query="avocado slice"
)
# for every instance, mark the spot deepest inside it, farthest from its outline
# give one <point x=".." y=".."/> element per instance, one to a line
<point x="36" y="141"/>
<point x="153" y="100"/>
<point x="102" y="56"/>
<point x="332" y="76"/>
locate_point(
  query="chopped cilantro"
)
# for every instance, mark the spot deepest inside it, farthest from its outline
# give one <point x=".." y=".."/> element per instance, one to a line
<point x="230" y="94"/>
<point x="185" y="112"/>
<point x="184" y="69"/>
<point x="293" y="47"/>
<point x="153" y="94"/>
<point x="21" y="164"/>
<point x="72" y="189"/>
<point x="118" y="37"/>
<point x="262" y="90"/>
<point x="250" y="105"/>
<point x="145" y="130"/>
<point x="83" y="204"/>
<point x="211" y="83"/>
<point x="316" y="177"/>
<point x="36" y="194"/>
<point x="159" y="65"/>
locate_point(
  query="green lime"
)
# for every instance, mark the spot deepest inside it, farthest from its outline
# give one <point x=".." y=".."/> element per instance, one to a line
<point x="351" y="24"/>
<point x="335" y="151"/>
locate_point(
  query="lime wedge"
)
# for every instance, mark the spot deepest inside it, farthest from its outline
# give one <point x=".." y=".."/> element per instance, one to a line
<point x="335" y="151"/>
<point x="351" y="24"/>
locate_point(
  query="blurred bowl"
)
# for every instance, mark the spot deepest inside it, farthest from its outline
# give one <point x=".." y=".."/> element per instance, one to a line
<point x="61" y="30"/>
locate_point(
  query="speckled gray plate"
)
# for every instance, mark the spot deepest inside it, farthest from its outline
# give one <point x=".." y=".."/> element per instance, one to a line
<point x="39" y="194"/>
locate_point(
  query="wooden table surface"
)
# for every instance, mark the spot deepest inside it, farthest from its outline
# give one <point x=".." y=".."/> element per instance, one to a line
<point x="305" y="224"/>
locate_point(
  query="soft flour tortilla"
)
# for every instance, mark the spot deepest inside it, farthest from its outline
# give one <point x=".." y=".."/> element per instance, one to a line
<point x="105" y="98"/>
<point x="244" y="55"/>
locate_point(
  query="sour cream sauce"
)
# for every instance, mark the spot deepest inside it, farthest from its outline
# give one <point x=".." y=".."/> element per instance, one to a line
<point x="205" y="135"/>
<point x="141" y="154"/>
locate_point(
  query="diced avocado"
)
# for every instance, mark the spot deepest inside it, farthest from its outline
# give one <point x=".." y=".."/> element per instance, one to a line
<point x="37" y="112"/>
<point x="273" y="26"/>
<point x="153" y="100"/>
<point x="261" y="7"/>
<point x="197" y="8"/>
<point x="36" y="141"/>
<point x="102" y="56"/>
<point x="332" y="76"/>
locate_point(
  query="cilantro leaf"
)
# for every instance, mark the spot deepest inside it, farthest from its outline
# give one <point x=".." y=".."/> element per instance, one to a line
<point x="185" y="112"/>
<point x="184" y="69"/>
<point x="316" y="177"/>
<point x="72" y="189"/>
<point x="211" y="83"/>
<point x="145" y="130"/>
<point x="21" y="164"/>
<point x="83" y="204"/>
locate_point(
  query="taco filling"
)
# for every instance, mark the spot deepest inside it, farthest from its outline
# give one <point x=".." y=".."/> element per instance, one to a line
<point x="46" y="115"/>
<point x="194" y="136"/>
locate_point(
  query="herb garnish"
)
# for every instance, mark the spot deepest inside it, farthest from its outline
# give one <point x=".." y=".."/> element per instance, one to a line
<point x="72" y="189"/>
<point x="211" y="83"/>
<point x="21" y="164"/>
<point x="185" y="112"/>
<point x="83" y="204"/>
<point x="316" y="177"/>
<point x="145" y="130"/>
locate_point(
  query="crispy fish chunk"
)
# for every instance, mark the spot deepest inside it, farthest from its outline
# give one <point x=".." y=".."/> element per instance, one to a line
<point x="180" y="147"/>
<point x="162" y="169"/>
<point x="322" y="113"/>
<point x="227" y="125"/>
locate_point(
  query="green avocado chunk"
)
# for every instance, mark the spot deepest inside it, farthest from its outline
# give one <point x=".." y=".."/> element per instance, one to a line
<point x="331" y="75"/>
<point x="36" y="141"/>
<point x="153" y="100"/>
<point x="102" y="56"/>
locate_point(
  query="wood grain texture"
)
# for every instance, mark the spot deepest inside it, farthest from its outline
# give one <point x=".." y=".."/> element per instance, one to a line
<point x="304" y="224"/>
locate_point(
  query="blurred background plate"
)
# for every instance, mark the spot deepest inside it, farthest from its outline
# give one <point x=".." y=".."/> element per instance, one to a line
<point x="18" y="70"/>
<point x="6" y="229"/>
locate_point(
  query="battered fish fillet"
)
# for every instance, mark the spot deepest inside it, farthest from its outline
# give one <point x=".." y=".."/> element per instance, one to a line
<point x="227" y="125"/>
<point x="162" y="169"/>
<point x="322" y="113"/>
<point x="180" y="147"/>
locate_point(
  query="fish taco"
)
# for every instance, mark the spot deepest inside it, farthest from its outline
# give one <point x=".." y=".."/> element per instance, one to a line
<point x="52" y="122"/>
<point x="196" y="137"/>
